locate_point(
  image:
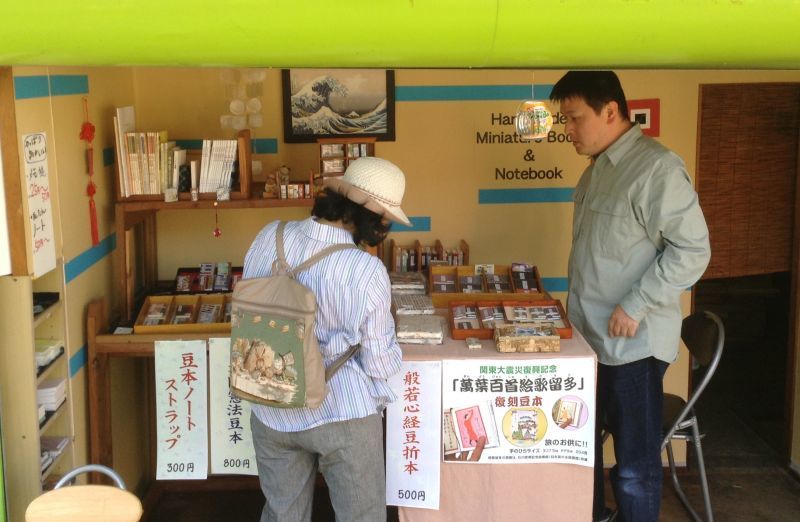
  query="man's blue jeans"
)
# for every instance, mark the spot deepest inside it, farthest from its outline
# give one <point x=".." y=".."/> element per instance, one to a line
<point x="630" y="400"/>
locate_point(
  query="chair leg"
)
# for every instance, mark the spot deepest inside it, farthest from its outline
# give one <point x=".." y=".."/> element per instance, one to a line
<point x="677" y="486"/>
<point x="701" y="468"/>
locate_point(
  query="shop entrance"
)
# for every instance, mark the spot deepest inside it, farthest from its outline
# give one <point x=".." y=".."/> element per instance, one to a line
<point x="747" y="166"/>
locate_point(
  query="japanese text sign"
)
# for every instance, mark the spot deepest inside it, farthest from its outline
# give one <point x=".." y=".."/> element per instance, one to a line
<point x="519" y="411"/>
<point x="181" y="410"/>
<point x="232" y="448"/>
<point x="413" y="426"/>
<point x="40" y="216"/>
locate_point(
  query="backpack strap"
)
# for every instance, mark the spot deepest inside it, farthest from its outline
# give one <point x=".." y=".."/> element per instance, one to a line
<point x="339" y="362"/>
<point x="281" y="266"/>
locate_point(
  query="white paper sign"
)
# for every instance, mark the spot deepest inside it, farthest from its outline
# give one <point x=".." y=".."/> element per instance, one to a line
<point x="181" y="410"/>
<point x="5" y="252"/>
<point x="529" y="410"/>
<point x="43" y="246"/>
<point x="232" y="450"/>
<point x="413" y="427"/>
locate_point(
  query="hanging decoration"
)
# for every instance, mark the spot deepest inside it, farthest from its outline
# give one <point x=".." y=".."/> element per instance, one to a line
<point x="87" y="135"/>
<point x="534" y="120"/>
<point x="217" y="230"/>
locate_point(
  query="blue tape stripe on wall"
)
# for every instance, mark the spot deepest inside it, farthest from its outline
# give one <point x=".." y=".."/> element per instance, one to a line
<point x="31" y="87"/>
<point x="418" y="224"/>
<point x="85" y="260"/>
<point x="265" y="146"/>
<point x="78" y="361"/>
<point x="555" y="284"/>
<point x="525" y="195"/>
<point x="190" y="144"/>
<point x="470" y="92"/>
<point x="108" y="156"/>
<point x="65" y="84"/>
<point x="260" y="145"/>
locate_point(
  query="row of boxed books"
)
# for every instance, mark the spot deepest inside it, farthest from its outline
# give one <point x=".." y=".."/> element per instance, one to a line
<point x="208" y="277"/>
<point x="416" y="257"/>
<point x="480" y="318"/>
<point x="184" y="314"/>
<point x="486" y="281"/>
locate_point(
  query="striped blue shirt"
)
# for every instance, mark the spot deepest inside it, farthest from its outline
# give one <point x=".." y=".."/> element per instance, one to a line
<point x="353" y="306"/>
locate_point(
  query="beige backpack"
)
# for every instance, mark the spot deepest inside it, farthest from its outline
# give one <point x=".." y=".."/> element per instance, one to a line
<point x="275" y="355"/>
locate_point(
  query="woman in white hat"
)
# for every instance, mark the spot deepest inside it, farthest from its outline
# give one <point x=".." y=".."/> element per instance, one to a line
<point x="343" y="438"/>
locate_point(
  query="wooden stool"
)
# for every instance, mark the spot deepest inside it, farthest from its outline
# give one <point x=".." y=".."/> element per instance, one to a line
<point x="92" y="503"/>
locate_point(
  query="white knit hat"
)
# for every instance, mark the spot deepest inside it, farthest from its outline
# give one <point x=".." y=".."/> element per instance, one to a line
<point x="376" y="183"/>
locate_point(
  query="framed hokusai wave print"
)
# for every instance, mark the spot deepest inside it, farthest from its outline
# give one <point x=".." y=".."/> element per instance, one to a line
<point x="337" y="103"/>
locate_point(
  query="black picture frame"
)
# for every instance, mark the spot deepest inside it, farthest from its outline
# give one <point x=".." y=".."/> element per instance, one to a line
<point x="326" y="83"/>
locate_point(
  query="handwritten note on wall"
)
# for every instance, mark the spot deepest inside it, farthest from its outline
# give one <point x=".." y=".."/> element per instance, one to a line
<point x="43" y="246"/>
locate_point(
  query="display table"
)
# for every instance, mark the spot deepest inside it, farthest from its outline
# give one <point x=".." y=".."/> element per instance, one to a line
<point x="536" y="491"/>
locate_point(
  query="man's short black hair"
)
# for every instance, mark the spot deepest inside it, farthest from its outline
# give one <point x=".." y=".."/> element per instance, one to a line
<point x="597" y="88"/>
<point x="370" y="228"/>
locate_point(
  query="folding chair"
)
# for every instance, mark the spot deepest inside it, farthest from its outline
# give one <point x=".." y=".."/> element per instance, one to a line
<point x="704" y="336"/>
<point x="87" y="503"/>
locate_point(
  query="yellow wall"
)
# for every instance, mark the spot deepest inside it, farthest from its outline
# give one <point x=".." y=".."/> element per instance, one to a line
<point x="61" y="116"/>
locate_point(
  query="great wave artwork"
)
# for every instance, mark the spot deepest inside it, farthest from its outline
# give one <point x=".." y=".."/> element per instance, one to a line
<point x="322" y="103"/>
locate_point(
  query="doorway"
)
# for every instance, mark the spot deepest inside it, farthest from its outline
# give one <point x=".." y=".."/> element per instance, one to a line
<point x="747" y="165"/>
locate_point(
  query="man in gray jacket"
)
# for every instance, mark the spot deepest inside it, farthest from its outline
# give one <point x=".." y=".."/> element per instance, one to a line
<point x="639" y="239"/>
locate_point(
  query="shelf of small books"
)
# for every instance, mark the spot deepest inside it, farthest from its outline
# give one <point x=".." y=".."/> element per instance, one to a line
<point x="418" y="257"/>
<point x="149" y="165"/>
<point x="335" y="154"/>
<point x="518" y="281"/>
<point x="197" y="313"/>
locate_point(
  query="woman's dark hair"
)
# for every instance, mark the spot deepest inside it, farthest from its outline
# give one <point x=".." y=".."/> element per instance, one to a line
<point x="597" y="88"/>
<point x="370" y="227"/>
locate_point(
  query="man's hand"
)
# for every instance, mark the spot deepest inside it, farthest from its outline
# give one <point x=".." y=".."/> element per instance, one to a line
<point x="621" y="324"/>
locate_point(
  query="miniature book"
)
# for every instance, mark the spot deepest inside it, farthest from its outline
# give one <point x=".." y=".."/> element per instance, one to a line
<point x="156" y="314"/>
<point x="420" y="329"/>
<point x="183" y="314"/>
<point x="472" y="422"/>
<point x="407" y="282"/>
<point x="412" y="304"/>
<point x="443" y="283"/>
<point x="492" y="316"/>
<point x="567" y="412"/>
<point x="449" y="439"/>
<point x="209" y="312"/>
<point x="471" y="284"/>
<point x="465" y="317"/>
<point x="497" y="283"/>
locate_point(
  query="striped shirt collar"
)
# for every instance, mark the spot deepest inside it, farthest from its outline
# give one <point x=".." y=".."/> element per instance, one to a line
<point x="325" y="233"/>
